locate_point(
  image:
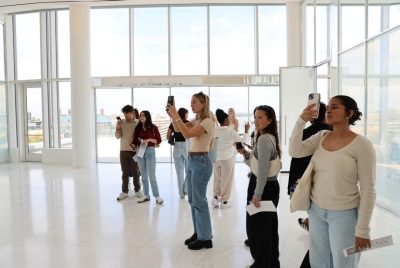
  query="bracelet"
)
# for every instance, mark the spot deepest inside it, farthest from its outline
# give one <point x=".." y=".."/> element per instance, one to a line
<point x="176" y="120"/>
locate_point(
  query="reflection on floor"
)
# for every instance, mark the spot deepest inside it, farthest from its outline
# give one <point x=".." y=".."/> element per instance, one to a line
<point x="56" y="216"/>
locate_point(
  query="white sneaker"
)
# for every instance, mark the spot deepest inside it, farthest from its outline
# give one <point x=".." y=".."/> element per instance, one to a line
<point x="159" y="200"/>
<point x="215" y="202"/>
<point x="225" y="204"/>
<point x="143" y="199"/>
<point x="122" y="195"/>
<point x="138" y="194"/>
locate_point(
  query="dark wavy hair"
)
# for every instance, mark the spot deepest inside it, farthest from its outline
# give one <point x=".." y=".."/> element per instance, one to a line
<point x="321" y="113"/>
<point x="221" y="116"/>
<point x="350" y="105"/>
<point x="127" y="109"/>
<point x="148" y="124"/>
<point x="271" y="128"/>
<point x="182" y="114"/>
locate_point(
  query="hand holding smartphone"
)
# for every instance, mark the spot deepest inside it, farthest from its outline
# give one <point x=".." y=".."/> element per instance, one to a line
<point x="118" y="118"/>
<point x="170" y="101"/>
<point x="315" y="98"/>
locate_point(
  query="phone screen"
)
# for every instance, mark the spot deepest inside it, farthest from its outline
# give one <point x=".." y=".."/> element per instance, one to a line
<point x="171" y="100"/>
<point x="239" y="145"/>
<point x="314" y="98"/>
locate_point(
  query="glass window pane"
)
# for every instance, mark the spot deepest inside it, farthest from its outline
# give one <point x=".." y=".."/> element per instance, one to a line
<point x="322" y="88"/>
<point x="310" y="35"/>
<point x="188" y="40"/>
<point x="383" y="128"/>
<point x="150" y="40"/>
<point x="109" y="42"/>
<point x="109" y="103"/>
<point x="322" y="33"/>
<point x="394" y="15"/>
<point x="272" y="38"/>
<point x="34" y="119"/>
<point x="352" y="82"/>
<point x="63" y="54"/>
<point x="154" y="100"/>
<point x="2" y="74"/>
<point x="64" y="113"/>
<point x="352" y="25"/>
<point x="232" y="40"/>
<point x="28" y="46"/>
<point x="374" y="20"/>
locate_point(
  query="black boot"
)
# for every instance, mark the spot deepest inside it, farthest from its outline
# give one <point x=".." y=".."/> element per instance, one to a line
<point x="199" y="244"/>
<point x="191" y="239"/>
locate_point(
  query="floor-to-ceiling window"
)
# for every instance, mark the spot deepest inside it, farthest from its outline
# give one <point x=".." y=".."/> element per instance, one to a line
<point x="4" y="148"/>
<point x="370" y="73"/>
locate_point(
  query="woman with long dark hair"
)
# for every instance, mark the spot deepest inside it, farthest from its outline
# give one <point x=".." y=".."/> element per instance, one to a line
<point x="147" y="134"/>
<point x="262" y="227"/>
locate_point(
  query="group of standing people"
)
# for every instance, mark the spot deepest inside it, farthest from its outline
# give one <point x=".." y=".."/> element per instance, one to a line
<point x="342" y="194"/>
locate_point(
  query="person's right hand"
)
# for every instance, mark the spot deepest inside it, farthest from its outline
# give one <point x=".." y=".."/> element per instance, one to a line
<point x="119" y="125"/>
<point x="244" y="152"/>
<point x="309" y="113"/>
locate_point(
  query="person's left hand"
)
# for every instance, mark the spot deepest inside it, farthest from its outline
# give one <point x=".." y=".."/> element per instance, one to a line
<point x="255" y="202"/>
<point x="362" y="243"/>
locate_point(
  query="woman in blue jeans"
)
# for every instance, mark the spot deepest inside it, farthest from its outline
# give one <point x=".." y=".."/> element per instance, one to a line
<point x="199" y="167"/>
<point x="146" y="133"/>
<point x="343" y="187"/>
<point x="180" y="152"/>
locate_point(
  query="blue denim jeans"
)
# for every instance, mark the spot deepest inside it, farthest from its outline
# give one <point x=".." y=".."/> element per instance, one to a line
<point x="330" y="232"/>
<point x="147" y="166"/>
<point x="180" y="159"/>
<point x="197" y="177"/>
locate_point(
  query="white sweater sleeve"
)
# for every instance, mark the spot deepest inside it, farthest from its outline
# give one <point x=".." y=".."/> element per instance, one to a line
<point x="366" y="164"/>
<point x="299" y="148"/>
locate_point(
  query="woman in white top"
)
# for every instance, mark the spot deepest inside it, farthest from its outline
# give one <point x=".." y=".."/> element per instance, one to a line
<point x="343" y="190"/>
<point x="225" y="161"/>
<point x="199" y="168"/>
<point x="233" y="122"/>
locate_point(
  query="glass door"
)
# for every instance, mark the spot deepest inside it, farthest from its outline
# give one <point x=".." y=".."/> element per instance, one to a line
<point x="34" y="134"/>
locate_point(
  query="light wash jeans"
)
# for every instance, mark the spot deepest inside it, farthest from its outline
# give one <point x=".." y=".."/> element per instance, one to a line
<point x="180" y="159"/>
<point x="197" y="177"/>
<point x="147" y="166"/>
<point x="330" y="232"/>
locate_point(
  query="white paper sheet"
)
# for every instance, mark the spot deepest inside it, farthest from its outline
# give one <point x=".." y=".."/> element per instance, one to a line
<point x="265" y="206"/>
<point x="376" y="243"/>
<point x="142" y="149"/>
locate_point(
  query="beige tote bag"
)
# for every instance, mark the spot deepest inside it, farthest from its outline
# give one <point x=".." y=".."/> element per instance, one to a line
<point x="302" y="194"/>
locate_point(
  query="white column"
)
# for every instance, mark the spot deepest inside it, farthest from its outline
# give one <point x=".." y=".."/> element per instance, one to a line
<point x="82" y="101"/>
<point x="294" y="34"/>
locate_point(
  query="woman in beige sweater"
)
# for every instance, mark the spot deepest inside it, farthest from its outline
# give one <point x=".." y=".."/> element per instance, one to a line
<point x="343" y="191"/>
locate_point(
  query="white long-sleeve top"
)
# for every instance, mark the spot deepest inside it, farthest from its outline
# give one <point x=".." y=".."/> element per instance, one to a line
<point x="226" y="138"/>
<point x="343" y="179"/>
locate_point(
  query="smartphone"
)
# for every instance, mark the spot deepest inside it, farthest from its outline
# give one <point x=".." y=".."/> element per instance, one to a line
<point x="314" y="98"/>
<point x="239" y="145"/>
<point x="119" y="118"/>
<point x="171" y="100"/>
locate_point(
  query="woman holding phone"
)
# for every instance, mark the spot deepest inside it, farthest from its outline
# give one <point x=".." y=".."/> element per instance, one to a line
<point x="199" y="167"/>
<point x="343" y="189"/>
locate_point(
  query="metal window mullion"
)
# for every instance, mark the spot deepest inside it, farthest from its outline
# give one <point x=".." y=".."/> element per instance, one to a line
<point x="208" y="42"/>
<point x="169" y="38"/>
<point x="256" y="42"/>
<point x="131" y="42"/>
<point x="315" y="31"/>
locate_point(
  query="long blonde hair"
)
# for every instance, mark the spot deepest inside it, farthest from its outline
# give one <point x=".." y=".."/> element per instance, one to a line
<point x="204" y="99"/>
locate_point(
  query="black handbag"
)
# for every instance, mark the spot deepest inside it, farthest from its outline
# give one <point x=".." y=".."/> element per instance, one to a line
<point x="171" y="139"/>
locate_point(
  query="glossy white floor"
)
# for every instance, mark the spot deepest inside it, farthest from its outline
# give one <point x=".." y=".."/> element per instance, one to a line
<point x="56" y="216"/>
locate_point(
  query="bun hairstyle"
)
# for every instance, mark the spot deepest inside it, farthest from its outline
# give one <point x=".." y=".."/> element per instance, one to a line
<point x="221" y="116"/>
<point x="350" y="105"/>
